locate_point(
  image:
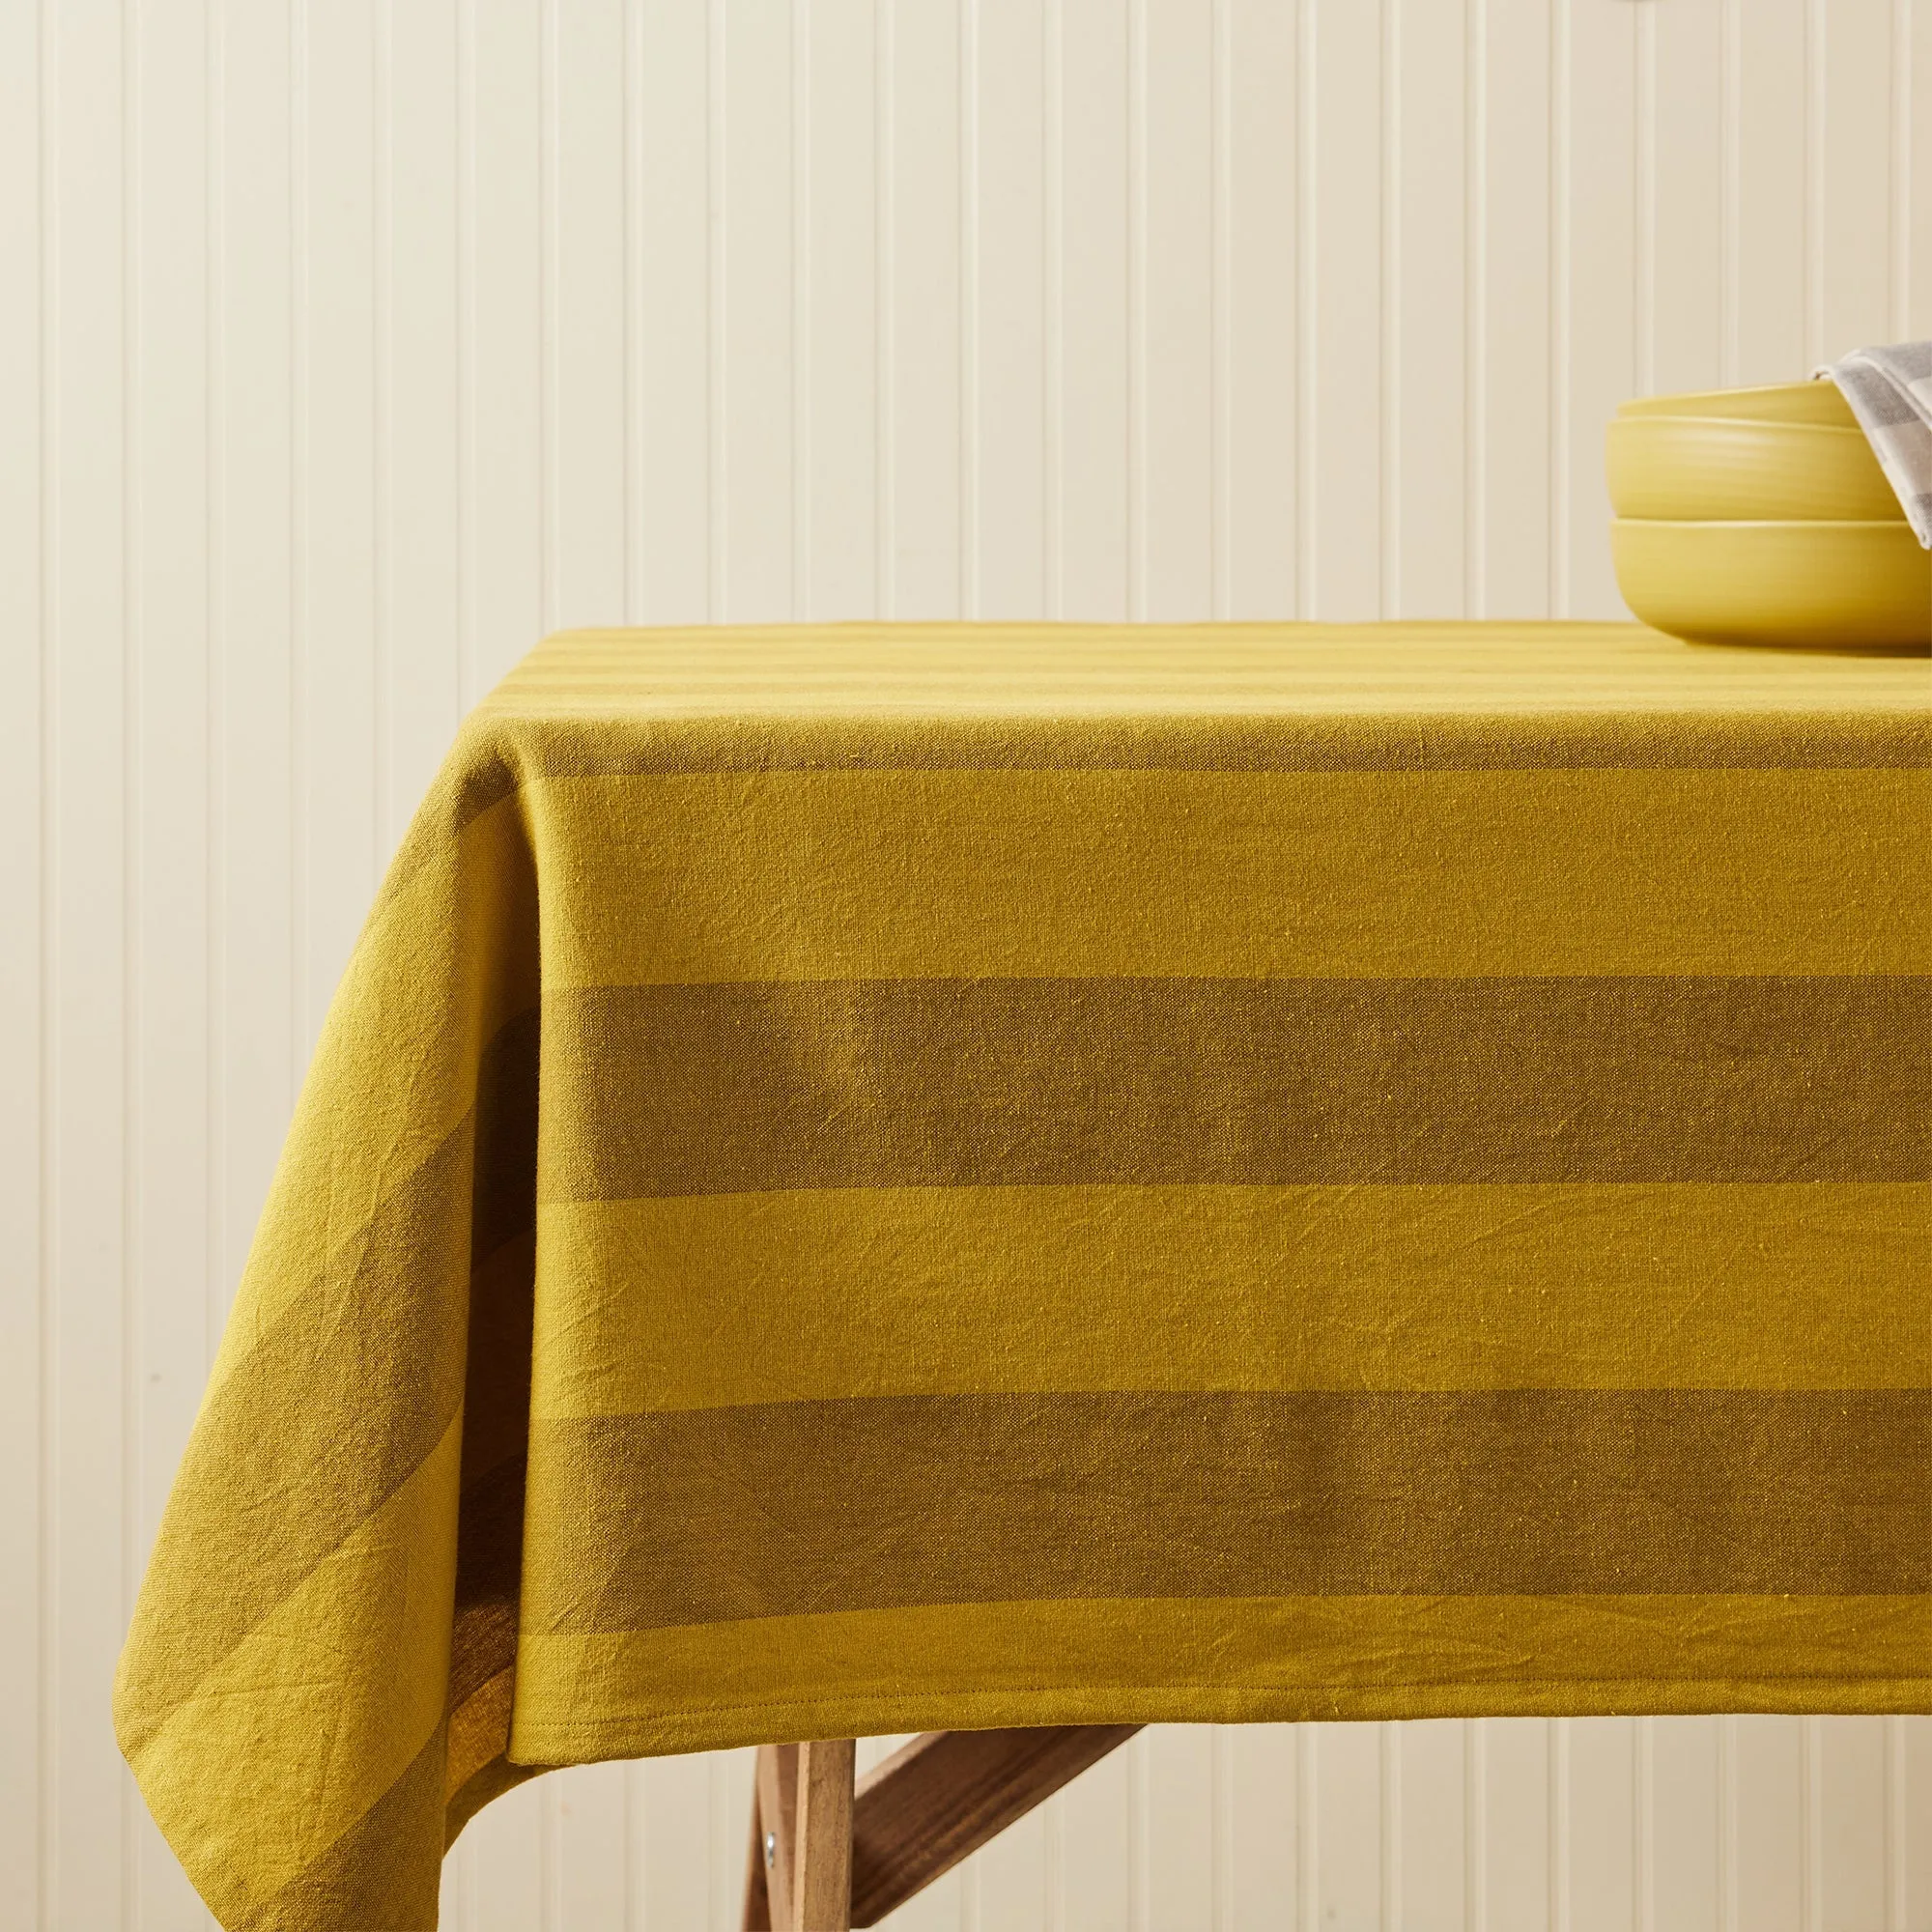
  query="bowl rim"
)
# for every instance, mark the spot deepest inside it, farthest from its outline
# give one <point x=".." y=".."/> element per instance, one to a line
<point x="1746" y="389"/>
<point x="1897" y="522"/>
<point x="1656" y="423"/>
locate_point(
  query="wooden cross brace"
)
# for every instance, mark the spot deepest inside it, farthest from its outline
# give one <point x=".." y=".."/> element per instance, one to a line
<point x="827" y="1854"/>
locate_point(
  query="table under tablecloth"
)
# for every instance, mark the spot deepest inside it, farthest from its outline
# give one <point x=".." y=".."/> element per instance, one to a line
<point x="876" y="1178"/>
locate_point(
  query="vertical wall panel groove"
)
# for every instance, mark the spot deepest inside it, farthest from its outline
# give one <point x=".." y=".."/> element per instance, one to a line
<point x="1812" y="1826"/>
<point x="91" y="765"/>
<point x="631" y="338"/>
<point x="1644" y="1814"/>
<point x="46" y="1161"/>
<point x="1899" y="186"/>
<point x="1259" y="293"/>
<point x="165" y="483"/>
<point x="837" y="353"/>
<point x="1919" y="181"/>
<point x="1729" y="35"/>
<point x="675" y="451"/>
<point x="1388" y="211"/>
<point x="345" y="347"/>
<point x="24" y="980"/>
<point x="1557" y="530"/>
<point x="1220" y="309"/>
<point x="1475" y="315"/>
<point x="802" y="605"/>
<point x="541" y="1859"/>
<point x="301" y="467"/>
<point x="1307" y="418"/>
<point x="1176" y="296"/>
<point x="1092" y="241"/>
<point x="1475" y="1826"/>
<point x="132" y="1546"/>
<point x="1559" y="1825"/>
<point x="761" y="367"/>
<point x="1138" y="1832"/>
<point x="547" y="279"/>
<point x="1005" y="350"/>
<point x="381" y="418"/>
<point x="1053" y="306"/>
<point x="47" y="1173"/>
<point x="1136" y="293"/>
<point x="214" y="1298"/>
<point x="1221" y="1813"/>
<point x="1350" y="374"/>
<point x="1643" y="287"/>
<point x="1815" y="97"/>
<point x="338" y="618"/>
<point x="1727" y="1824"/>
<point x="1388" y="1850"/>
<point x="466" y="691"/>
<point x="717" y="209"/>
<point x="1517" y="112"/>
<point x="968" y="594"/>
<point x="1895" y="1825"/>
<point x="885" y="530"/>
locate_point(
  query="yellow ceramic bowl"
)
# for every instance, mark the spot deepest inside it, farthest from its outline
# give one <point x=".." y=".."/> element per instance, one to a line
<point x="1822" y="585"/>
<point x="1821" y="403"/>
<point x="1707" y="469"/>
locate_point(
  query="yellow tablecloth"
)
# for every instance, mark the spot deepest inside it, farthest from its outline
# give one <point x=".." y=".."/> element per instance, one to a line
<point x="872" y="1179"/>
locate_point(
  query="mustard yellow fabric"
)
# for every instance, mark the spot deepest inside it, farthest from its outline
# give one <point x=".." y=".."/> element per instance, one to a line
<point x="870" y="1178"/>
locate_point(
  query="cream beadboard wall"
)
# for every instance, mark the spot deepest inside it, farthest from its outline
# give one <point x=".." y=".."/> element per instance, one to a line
<point x="348" y="345"/>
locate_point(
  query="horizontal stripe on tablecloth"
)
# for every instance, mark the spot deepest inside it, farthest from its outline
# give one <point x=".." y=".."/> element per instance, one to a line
<point x="702" y="1687"/>
<point x="931" y="680"/>
<point x="807" y="875"/>
<point x="715" y="1516"/>
<point x="938" y="1290"/>
<point x="588" y="736"/>
<point x="726" y="1089"/>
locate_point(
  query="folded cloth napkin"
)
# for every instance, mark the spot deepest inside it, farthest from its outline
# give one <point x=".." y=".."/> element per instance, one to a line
<point x="1891" y="394"/>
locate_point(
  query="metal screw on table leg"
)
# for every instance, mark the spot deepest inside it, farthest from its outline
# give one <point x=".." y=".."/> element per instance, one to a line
<point x="769" y="1854"/>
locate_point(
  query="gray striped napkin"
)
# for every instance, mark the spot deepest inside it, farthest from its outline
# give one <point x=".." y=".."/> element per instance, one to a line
<point x="1891" y="394"/>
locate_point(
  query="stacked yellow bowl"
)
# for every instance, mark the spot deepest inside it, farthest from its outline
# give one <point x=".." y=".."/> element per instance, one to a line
<point x="1761" y="515"/>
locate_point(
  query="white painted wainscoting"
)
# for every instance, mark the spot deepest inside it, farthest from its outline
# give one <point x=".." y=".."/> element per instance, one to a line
<point x="348" y="345"/>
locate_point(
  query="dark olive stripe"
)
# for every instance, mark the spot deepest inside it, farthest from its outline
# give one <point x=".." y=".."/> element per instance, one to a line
<point x="718" y="1088"/>
<point x="482" y="772"/>
<point x="353" y="1386"/>
<point x="382" y="1874"/>
<point x="713" y="1515"/>
<point x="508" y="754"/>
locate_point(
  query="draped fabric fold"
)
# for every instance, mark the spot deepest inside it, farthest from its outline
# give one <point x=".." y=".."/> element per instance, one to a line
<point x="875" y="1177"/>
<point x="1889" y="390"/>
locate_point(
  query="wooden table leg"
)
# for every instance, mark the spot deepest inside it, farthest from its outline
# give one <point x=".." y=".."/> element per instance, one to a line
<point x="945" y="1793"/>
<point x="822" y="1873"/>
<point x="826" y="1857"/>
<point x="757" y="1896"/>
<point x="798" y="1872"/>
<point x="774" y="1803"/>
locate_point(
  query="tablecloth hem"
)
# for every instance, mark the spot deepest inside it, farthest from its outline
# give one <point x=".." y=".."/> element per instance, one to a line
<point x="559" y="1742"/>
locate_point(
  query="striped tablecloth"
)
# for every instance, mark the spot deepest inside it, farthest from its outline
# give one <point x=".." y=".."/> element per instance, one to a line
<point x="874" y="1179"/>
